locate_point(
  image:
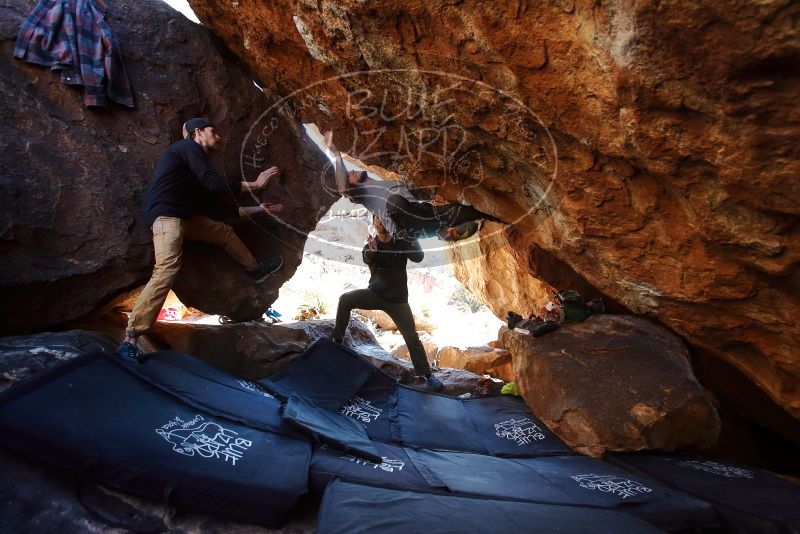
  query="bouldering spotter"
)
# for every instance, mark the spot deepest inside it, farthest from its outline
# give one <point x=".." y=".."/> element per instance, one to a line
<point x="386" y="258"/>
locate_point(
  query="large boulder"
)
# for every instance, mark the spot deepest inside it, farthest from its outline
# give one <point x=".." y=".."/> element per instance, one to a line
<point x="428" y="343"/>
<point x="480" y="360"/>
<point x="613" y="383"/>
<point x="646" y="151"/>
<point x="249" y="350"/>
<point x="72" y="179"/>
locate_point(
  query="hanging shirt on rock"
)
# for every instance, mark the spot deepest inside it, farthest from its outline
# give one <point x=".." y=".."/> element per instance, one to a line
<point x="73" y="38"/>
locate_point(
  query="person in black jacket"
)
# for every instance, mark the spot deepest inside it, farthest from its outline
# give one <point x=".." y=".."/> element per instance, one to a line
<point x="388" y="291"/>
<point x="177" y="204"/>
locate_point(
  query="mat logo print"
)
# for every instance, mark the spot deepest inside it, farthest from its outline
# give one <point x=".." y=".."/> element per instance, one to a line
<point x="522" y="431"/>
<point x="387" y="464"/>
<point x="361" y="410"/>
<point x="615" y="485"/>
<point x="255" y="388"/>
<point x="204" y="438"/>
<point x="717" y="468"/>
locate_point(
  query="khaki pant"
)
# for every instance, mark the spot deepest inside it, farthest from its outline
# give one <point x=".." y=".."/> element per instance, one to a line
<point x="168" y="236"/>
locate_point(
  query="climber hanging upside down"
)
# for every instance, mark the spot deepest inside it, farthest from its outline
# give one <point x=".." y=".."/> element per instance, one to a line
<point x="403" y="216"/>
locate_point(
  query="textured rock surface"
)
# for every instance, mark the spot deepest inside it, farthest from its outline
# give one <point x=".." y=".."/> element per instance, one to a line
<point x="431" y="349"/>
<point x="613" y="382"/>
<point x="23" y="356"/>
<point x="493" y="272"/>
<point x="72" y="178"/>
<point x="480" y="360"/>
<point x="657" y="167"/>
<point x="249" y="350"/>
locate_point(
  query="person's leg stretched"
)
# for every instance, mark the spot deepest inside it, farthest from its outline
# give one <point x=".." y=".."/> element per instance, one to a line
<point x="412" y="219"/>
<point x="168" y="245"/>
<point x="364" y="299"/>
<point x="200" y="228"/>
<point x="400" y="312"/>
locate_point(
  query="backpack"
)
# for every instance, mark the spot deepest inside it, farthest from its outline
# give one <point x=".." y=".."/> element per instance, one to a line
<point x="572" y="304"/>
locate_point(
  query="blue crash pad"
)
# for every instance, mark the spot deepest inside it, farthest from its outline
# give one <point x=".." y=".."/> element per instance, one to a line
<point x="329" y="427"/>
<point x="747" y="499"/>
<point x="349" y="508"/>
<point x="326" y="373"/>
<point x="93" y="416"/>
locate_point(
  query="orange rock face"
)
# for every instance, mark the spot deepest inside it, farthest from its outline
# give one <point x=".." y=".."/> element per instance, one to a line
<point x="479" y="360"/>
<point x="647" y="150"/>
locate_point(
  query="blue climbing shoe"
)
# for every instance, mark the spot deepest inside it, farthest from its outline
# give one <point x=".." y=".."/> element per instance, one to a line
<point x="434" y="382"/>
<point x="266" y="268"/>
<point x="130" y="352"/>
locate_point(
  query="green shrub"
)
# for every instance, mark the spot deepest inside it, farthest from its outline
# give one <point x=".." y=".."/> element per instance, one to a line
<point x="315" y="299"/>
<point x="463" y="296"/>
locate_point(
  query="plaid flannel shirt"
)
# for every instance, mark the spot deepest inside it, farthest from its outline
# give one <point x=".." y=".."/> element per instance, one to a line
<point x="72" y="37"/>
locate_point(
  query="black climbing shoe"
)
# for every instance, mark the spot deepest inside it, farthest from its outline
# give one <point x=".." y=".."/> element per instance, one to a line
<point x="266" y="268"/>
<point x="434" y="382"/>
<point x="513" y="319"/>
<point x="130" y="352"/>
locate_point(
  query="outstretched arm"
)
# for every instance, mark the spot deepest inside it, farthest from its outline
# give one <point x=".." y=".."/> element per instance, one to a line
<point x="244" y="211"/>
<point x="262" y="180"/>
<point x="213" y="181"/>
<point x="340" y="171"/>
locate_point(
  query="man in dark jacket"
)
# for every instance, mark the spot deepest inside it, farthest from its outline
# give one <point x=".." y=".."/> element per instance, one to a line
<point x="388" y="291"/>
<point x="176" y="205"/>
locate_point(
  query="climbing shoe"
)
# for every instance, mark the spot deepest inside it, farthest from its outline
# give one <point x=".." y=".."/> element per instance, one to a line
<point x="266" y="268"/>
<point x="513" y="319"/>
<point x="130" y="352"/>
<point x="434" y="382"/>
